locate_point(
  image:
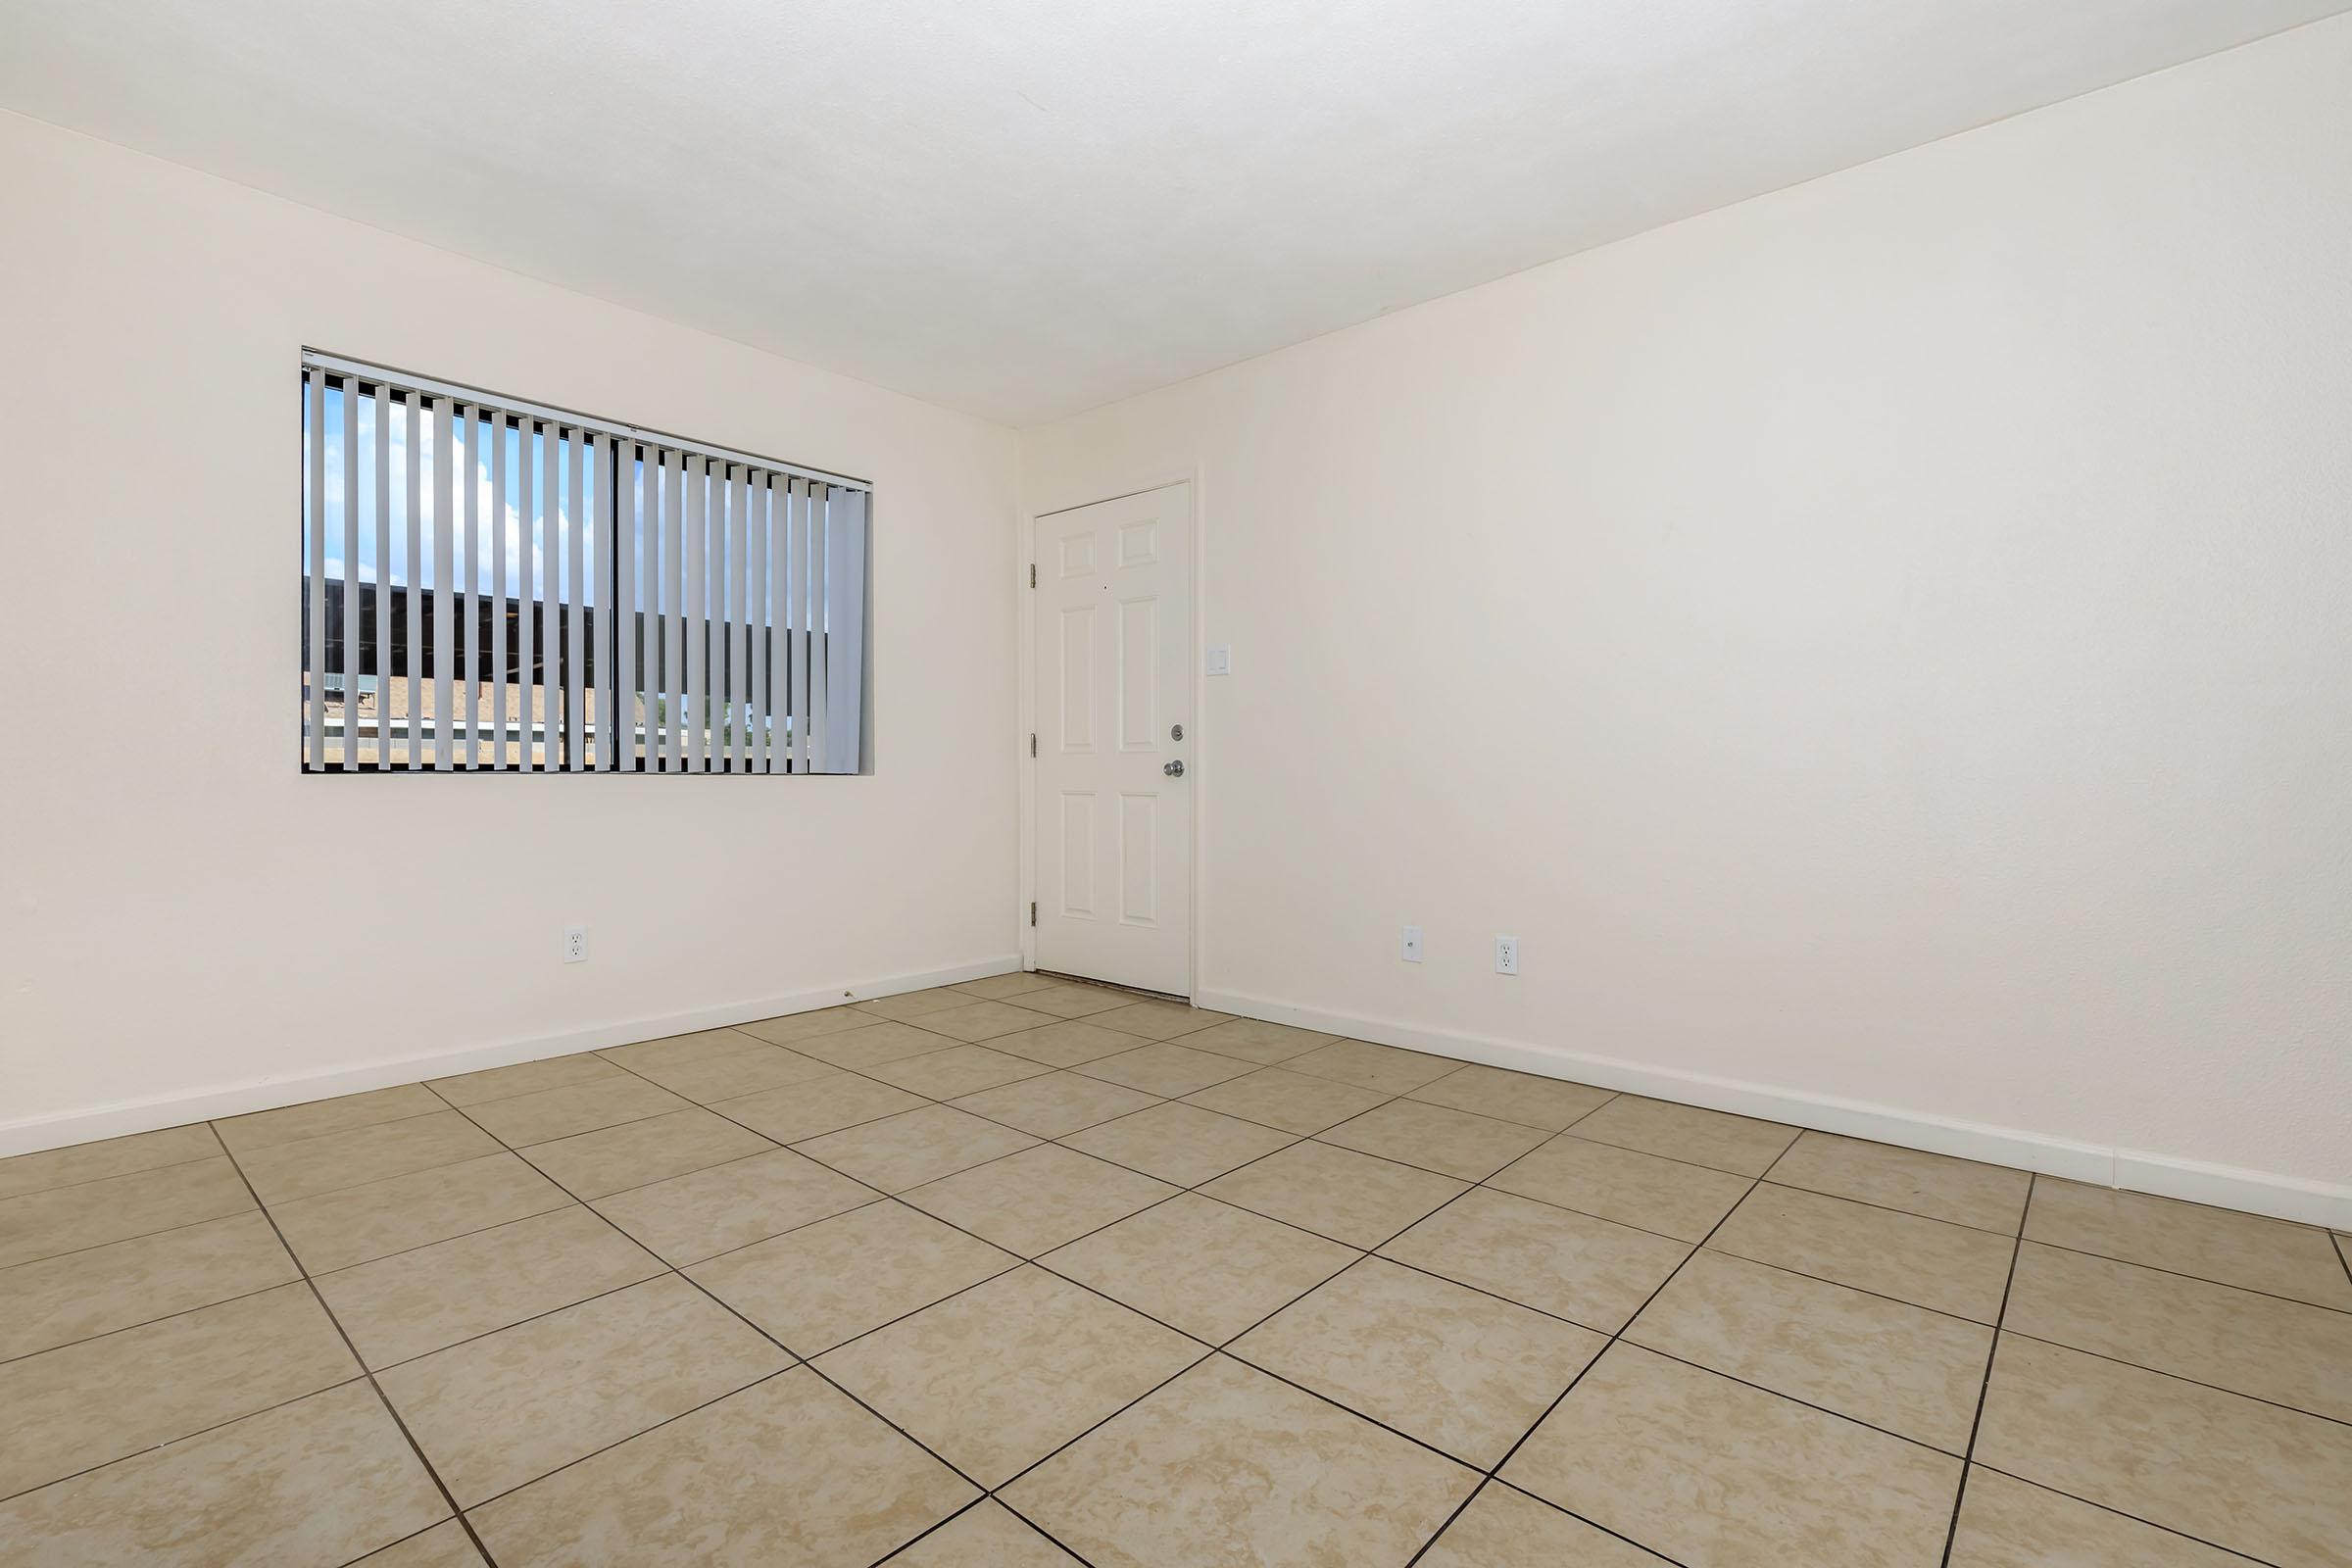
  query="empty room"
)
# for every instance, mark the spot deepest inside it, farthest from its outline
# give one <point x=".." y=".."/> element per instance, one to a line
<point x="1519" y="784"/>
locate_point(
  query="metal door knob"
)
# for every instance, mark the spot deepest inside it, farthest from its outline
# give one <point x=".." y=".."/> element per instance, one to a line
<point x="1174" y="769"/>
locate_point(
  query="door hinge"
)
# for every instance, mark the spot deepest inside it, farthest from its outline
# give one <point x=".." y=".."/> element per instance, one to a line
<point x="1033" y="743"/>
<point x="1033" y="911"/>
<point x="1033" y="574"/>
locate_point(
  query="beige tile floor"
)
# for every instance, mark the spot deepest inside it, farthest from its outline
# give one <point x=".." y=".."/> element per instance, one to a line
<point x="1022" y="1272"/>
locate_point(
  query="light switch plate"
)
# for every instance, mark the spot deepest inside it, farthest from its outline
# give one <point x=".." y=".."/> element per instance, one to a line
<point x="1220" y="658"/>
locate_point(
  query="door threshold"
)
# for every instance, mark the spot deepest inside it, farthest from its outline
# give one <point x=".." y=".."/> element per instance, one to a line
<point x="1113" y="985"/>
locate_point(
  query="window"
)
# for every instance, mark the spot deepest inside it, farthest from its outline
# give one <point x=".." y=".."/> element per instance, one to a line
<point x="491" y="585"/>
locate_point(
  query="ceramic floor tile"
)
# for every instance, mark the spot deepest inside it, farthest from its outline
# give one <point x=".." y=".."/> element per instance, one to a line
<point x="1709" y="1471"/>
<point x="1587" y="1270"/>
<point x="1054" y="1104"/>
<point x="1255" y="1040"/>
<point x="983" y="1020"/>
<point x="613" y="1160"/>
<point x="1738" y="1144"/>
<point x="1038" y="1198"/>
<point x="996" y="1377"/>
<point x="863" y="1049"/>
<point x="679" y="1051"/>
<point x="1903" y="1368"/>
<point x="1351" y="1198"/>
<point x="1437" y="1138"/>
<point x="1552" y="1103"/>
<point x="552" y="1113"/>
<point x="1180" y="1144"/>
<point x="115" y="1208"/>
<point x="103" y="1399"/>
<point x="2273" y="1484"/>
<point x="1367" y="1065"/>
<point x="2007" y="1522"/>
<point x="911" y="1004"/>
<point x="2264" y="1345"/>
<point x="1646" y="1191"/>
<point x="1506" y="1529"/>
<point x="112" y="1156"/>
<point x="915" y="1146"/>
<point x="1928" y="1262"/>
<point x="1992" y="1197"/>
<point x="1229" y="1468"/>
<point x="818" y="1286"/>
<point x="1290" y="1101"/>
<point x="1068" y="1044"/>
<point x="957" y="1070"/>
<point x="525" y="1078"/>
<point x="266" y="1129"/>
<point x="1160" y="1020"/>
<point x="400" y="1307"/>
<point x="1001" y="987"/>
<point x="1465" y="1372"/>
<point x="733" y="1484"/>
<point x="1073" y="1002"/>
<point x="984" y="1536"/>
<point x="374" y="1220"/>
<point x="795" y="1027"/>
<point x="323" y="1480"/>
<point x="688" y="1218"/>
<point x="78" y="1295"/>
<point x="737" y="1073"/>
<point x="494" y="1412"/>
<point x="1201" y="1266"/>
<point x="2213" y="1244"/>
<point x="818" y="1106"/>
<point x="444" y="1545"/>
<point x="1165" y="1068"/>
<point x="332" y="1162"/>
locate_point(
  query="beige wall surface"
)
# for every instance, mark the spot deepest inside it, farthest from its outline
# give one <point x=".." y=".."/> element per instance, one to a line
<point x="182" y="913"/>
<point x="1888" y="641"/>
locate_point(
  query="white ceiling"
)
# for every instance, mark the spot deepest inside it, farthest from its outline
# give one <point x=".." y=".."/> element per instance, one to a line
<point x="1024" y="207"/>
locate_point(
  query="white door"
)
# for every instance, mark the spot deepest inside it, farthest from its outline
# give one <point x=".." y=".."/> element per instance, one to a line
<point x="1114" y="666"/>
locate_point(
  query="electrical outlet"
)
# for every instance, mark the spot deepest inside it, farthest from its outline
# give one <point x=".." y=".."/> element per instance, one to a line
<point x="575" y="944"/>
<point x="1507" y="955"/>
<point x="1409" y="948"/>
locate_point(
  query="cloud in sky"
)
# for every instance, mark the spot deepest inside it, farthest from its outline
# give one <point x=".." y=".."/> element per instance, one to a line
<point x="539" y="547"/>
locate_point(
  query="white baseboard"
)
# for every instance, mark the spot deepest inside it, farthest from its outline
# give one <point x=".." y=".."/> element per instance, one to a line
<point x="2222" y="1186"/>
<point x="28" y="1135"/>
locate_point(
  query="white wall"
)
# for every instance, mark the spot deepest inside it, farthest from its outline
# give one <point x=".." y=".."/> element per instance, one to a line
<point x="185" y="913"/>
<point x="1890" y="642"/>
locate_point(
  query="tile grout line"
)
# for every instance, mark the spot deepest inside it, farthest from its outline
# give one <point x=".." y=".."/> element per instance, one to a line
<point x="798" y="1361"/>
<point x="187" y="1436"/>
<point x="1495" y="1472"/>
<point x="1992" y="1353"/>
<point x="1218" y="1350"/>
<point x="2120" y="1513"/>
<point x="150" y="1322"/>
<point x="111" y="1176"/>
<point x="1492" y="1475"/>
<point x="1407" y="1093"/>
<point x="431" y="1472"/>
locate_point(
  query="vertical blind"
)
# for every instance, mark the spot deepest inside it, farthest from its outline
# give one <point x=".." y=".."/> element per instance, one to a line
<point x="492" y="585"/>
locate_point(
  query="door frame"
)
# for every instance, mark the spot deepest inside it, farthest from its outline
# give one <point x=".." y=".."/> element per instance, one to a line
<point x="1027" y="709"/>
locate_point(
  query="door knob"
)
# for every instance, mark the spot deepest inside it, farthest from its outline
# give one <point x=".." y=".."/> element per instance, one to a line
<point x="1174" y="769"/>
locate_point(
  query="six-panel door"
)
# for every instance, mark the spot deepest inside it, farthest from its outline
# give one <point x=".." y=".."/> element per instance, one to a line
<point x="1113" y="636"/>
